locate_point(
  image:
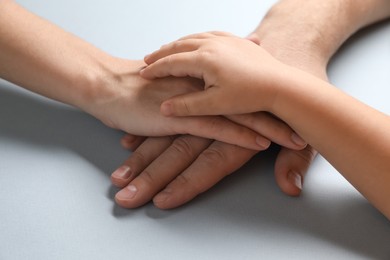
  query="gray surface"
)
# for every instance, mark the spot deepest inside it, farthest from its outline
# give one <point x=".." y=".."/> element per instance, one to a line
<point x="56" y="197"/>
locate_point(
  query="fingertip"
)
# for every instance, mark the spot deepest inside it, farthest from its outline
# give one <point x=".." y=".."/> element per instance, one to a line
<point x="147" y="59"/>
<point x="166" y="108"/>
<point x="297" y="140"/>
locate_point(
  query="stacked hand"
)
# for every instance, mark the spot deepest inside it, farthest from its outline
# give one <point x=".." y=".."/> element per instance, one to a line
<point x="172" y="171"/>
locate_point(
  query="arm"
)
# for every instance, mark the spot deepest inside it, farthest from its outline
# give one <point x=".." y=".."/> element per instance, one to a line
<point x="292" y="39"/>
<point x="47" y="60"/>
<point x="343" y="137"/>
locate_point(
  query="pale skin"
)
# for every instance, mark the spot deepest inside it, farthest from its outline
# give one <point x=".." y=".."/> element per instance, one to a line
<point x="262" y="83"/>
<point x="45" y="59"/>
<point x="305" y="38"/>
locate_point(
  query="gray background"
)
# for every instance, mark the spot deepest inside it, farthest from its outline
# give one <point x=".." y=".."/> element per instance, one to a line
<point x="55" y="161"/>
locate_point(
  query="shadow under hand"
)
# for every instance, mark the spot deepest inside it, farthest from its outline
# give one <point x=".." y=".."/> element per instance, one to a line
<point x="29" y="118"/>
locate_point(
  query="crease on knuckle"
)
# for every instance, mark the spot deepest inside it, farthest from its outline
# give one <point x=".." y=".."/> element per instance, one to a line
<point x="212" y="156"/>
<point x="183" y="147"/>
<point x="147" y="179"/>
<point x="191" y="186"/>
<point x="138" y="158"/>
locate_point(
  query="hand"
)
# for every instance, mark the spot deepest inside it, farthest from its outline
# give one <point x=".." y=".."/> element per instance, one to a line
<point x="132" y="104"/>
<point x="202" y="172"/>
<point x="215" y="57"/>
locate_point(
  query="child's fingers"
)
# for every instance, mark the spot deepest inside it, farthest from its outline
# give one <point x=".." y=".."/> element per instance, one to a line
<point x="179" y="46"/>
<point x="193" y="104"/>
<point x="206" y="35"/>
<point x="179" y="65"/>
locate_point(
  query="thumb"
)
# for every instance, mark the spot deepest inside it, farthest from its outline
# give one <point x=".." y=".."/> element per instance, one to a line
<point x="291" y="167"/>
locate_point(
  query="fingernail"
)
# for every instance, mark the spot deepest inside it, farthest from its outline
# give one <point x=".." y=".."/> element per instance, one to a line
<point x="127" y="193"/>
<point x="263" y="142"/>
<point x="298" y="140"/>
<point x="123" y="172"/>
<point x="166" y="109"/>
<point x="295" y="179"/>
<point x="162" y="196"/>
<point x="146" y="57"/>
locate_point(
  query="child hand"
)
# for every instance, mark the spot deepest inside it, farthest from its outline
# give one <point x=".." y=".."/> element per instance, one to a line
<point x="240" y="77"/>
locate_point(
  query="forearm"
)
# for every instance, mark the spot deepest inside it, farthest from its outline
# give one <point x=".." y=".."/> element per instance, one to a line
<point x="43" y="58"/>
<point x="314" y="30"/>
<point x="352" y="136"/>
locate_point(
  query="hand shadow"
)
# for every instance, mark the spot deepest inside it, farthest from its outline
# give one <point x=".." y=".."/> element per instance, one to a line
<point x="247" y="199"/>
<point x="31" y="119"/>
<point x="251" y="199"/>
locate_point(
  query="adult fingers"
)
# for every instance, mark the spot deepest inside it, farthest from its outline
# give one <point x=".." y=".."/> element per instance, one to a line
<point x="149" y="150"/>
<point x="212" y="165"/>
<point x="131" y="142"/>
<point x="291" y="167"/>
<point x="181" y="64"/>
<point x="178" y="156"/>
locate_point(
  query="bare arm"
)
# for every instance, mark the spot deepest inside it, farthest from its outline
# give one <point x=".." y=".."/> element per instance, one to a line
<point x="291" y="38"/>
<point x="45" y="59"/>
<point x="343" y="129"/>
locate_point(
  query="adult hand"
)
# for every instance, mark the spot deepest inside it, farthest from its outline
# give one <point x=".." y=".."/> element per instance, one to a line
<point x="132" y="104"/>
<point x="185" y="175"/>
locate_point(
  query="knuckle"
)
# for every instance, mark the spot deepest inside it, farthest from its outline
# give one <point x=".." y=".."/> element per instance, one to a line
<point x="146" y="177"/>
<point x="137" y="158"/>
<point x="189" y="183"/>
<point x="182" y="146"/>
<point x="212" y="156"/>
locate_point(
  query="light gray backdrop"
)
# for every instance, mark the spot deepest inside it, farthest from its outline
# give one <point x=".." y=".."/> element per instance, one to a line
<point x="56" y="200"/>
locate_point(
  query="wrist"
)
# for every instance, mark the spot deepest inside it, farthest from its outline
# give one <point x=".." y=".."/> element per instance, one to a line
<point x="111" y="80"/>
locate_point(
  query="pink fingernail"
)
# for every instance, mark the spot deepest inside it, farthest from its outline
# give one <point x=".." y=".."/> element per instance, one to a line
<point x="263" y="142"/>
<point x="123" y="172"/>
<point x="127" y="193"/>
<point x="295" y="178"/>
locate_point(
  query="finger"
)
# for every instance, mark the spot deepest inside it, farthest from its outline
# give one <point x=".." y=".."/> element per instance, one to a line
<point x="254" y="38"/>
<point x="183" y="45"/>
<point x="272" y="128"/>
<point x="174" y="64"/>
<point x="131" y="142"/>
<point x="149" y="150"/>
<point x="206" y="35"/>
<point x="195" y="104"/>
<point x="212" y="165"/>
<point x="183" y="151"/>
<point x="224" y="130"/>
<point x="291" y="168"/>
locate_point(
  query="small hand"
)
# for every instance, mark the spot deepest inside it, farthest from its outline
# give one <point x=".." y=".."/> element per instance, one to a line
<point x="134" y="106"/>
<point x="240" y="77"/>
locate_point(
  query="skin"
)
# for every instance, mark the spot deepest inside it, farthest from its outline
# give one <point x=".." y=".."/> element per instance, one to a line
<point x="303" y="34"/>
<point x="266" y="84"/>
<point x="75" y="72"/>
